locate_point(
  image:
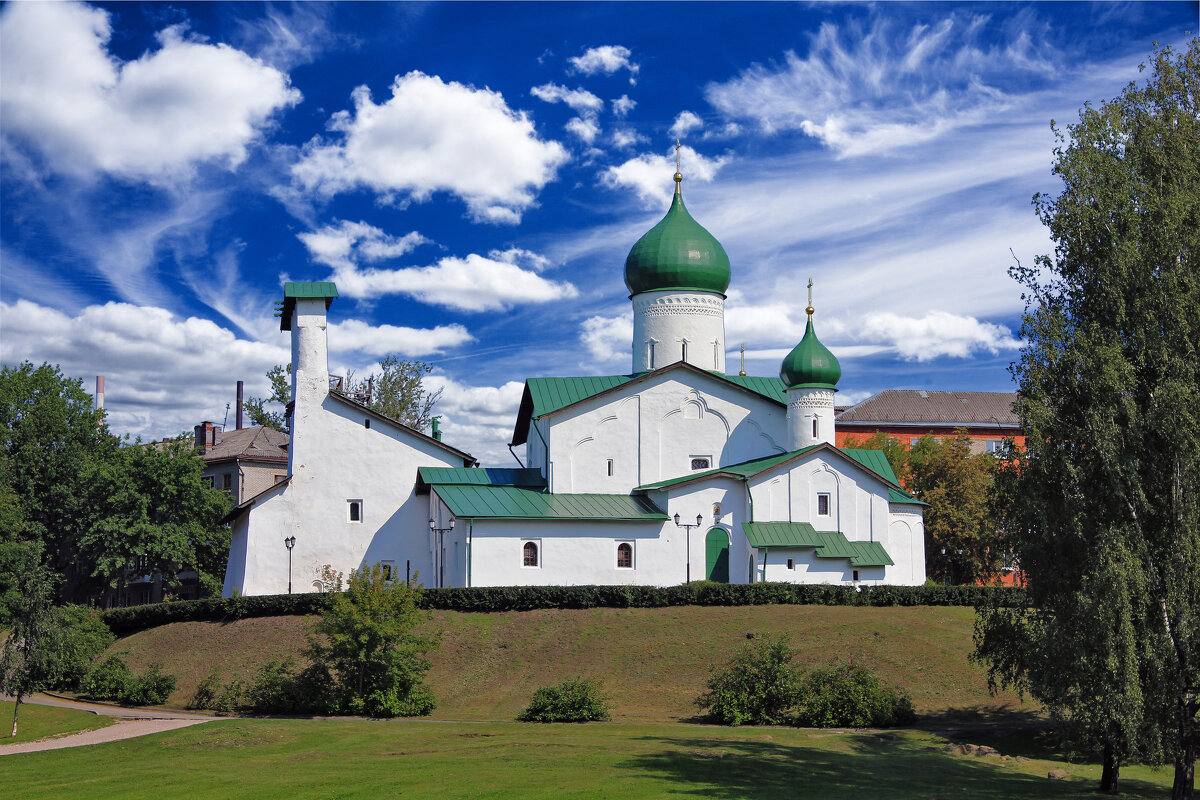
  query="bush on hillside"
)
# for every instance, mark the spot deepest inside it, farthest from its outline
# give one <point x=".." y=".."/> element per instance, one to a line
<point x="282" y="687"/>
<point x="573" y="700"/>
<point x="83" y="637"/>
<point x="113" y="680"/>
<point x="759" y="686"/>
<point x="850" y="696"/>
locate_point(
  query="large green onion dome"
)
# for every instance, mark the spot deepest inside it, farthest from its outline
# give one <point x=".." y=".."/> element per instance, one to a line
<point x="677" y="253"/>
<point x="810" y="364"/>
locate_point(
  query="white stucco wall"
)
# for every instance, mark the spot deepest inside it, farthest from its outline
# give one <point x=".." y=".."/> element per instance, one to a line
<point x="669" y="320"/>
<point x="652" y="430"/>
<point x="806" y="407"/>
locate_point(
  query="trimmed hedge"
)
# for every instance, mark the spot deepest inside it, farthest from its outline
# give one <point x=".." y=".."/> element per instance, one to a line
<point x="124" y="621"/>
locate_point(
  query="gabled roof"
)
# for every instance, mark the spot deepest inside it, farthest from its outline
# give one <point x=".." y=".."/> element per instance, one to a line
<point x="544" y="396"/>
<point x="902" y="497"/>
<point x="920" y="407"/>
<point x="244" y="506"/>
<point x="255" y="443"/>
<point x="828" y="544"/>
<point x="490" y="476"/>
<point x="467" y="458"/>
<point x="873" y="461"/>
<point x="513" y="502"/>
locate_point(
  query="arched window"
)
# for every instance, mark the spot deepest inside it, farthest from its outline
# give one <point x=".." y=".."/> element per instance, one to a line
<point x="530" y="554"/>
<point x="624" y="556"/>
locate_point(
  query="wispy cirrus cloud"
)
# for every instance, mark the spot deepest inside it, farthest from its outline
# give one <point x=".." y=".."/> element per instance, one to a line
<point x="431" y="136"/>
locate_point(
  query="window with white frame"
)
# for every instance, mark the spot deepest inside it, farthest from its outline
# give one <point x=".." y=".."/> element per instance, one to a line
<point x="530" y="554"/>
<point x="354" y="510"/>
<point x="701" y="462"/>
<point x="625" y="555"/>
<point x="994" y="446"/>
<point x="823" y="504"/>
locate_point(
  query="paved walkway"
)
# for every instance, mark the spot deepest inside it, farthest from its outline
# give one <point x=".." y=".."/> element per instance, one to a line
<point x="130" y="722"/>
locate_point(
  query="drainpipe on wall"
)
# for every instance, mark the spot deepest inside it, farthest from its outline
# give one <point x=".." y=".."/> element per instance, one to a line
<point x="470" y="548"/>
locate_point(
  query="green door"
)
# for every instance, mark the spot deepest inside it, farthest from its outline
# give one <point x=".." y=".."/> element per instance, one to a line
<point x="716" y="556"/>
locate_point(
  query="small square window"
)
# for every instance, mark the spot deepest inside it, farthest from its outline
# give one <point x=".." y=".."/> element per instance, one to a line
<point x="855" y="574"/>
<point x="791" y="564"/>
<point x="354" y="511"/>
<point x="279" y="478"/>
<point x="207" y="480"/>
<point x="994" y="446"/>
<point x="701" y="462"/>
<point x="227" y="481"/>
<point x="913" y="441"/>
<point x="389" y="571"/>
<point x="823" y="505"/>
<point x="610" y="467"/>
<point x="367" y="424"/>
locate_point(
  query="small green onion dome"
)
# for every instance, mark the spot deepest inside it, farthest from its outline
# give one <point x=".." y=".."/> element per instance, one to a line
<point x="677" y="253"/>
<point x="810" y="364"/>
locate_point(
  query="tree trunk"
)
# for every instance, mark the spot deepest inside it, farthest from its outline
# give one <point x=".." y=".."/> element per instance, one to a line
<point x="1111" y="771"/>
<point x="1185" y="772"/>
<point x="16" y="710"/>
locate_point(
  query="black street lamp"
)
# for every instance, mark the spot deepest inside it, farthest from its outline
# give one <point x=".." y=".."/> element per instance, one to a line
<point x="289" y="543"/>
<point x="441" y="548"/>
<point x="688" y="528"/>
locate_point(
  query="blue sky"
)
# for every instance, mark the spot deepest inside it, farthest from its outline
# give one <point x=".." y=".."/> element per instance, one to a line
<point x="473" y="175"/>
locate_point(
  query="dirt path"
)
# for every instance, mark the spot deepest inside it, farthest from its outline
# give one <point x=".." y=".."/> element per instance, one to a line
<point x="130" y="722"/>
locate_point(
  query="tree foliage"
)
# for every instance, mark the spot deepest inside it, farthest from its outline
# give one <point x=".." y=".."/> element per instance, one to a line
<point x="29" y="661"/>
<point x="281" y="394"/>
<point x="1103" y="511"/>
<point x="759" y="686"/>
<point x="573" y="700"/>
<point x="96" y="509"/>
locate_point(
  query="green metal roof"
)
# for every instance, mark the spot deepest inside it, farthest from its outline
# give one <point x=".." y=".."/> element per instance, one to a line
<point x="828" y="544"/>
<point x="810" y="364"/>
<point x="546" y="395"/>
<point x="302" y="289"/>
<point x="875" y="461"/>
<point x="512" y="502"/>
<point x="677" y="253"/>
<point x="489" y="476"/>
<point x="743" y="470"/>
<point x="900" y="496"/>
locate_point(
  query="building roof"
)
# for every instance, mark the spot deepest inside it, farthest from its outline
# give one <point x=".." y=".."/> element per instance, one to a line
<point x="873" y="461"/>
<point x="828" y="544"/>
<point x="810" y="364"/>
<point x="488" y="476"/>
<point x="915" y="407"/>
<point x="677" y="253"/>
<point x="357" y="406"/>
<point x="302" y="289"/>
<point x="514" y="502"/>
<point x="547" y="395"/>
<point x="256" y="443"/>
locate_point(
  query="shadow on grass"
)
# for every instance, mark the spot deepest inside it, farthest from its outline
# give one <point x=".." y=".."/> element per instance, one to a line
<point x="885" y="764"/>
<point x="980" y="717"/>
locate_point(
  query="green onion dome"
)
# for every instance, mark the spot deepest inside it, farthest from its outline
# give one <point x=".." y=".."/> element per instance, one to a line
<point x="677" y="253"/>
<point x="810" y="364"/>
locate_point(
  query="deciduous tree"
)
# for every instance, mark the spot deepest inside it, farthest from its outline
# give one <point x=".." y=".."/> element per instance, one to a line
<point x="1103" y="513"/>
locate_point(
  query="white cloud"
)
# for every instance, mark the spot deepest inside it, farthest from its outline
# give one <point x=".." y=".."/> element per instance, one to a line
<point x="650" y="175"/>
<point x="474" y="283"/>
<point x="345" y="243"/>
<point x="434" y="136"/>
<point x="153" y="118"/>
<point x="606" y="59"/>
<point x="607" y="338"/>
<point x="521" y="257"/>
<point x="586" y="128"/>
<point x="872" y="91"/>
<point x="938" y="333"/>
<point x="579" y="100"/>
<point x="357" y="336"/>
<point x="761" y="323"/>
<point x="163" y="374"/>
<point x="623" y="105"/>
<point x="478" y="419"/>
<point x="625" y="137"/>
<point x="686" y="121"/>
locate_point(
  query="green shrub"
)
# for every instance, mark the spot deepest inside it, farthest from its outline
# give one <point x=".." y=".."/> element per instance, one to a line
<point x="230" y="699"/>
<point x="205" y="696"/>
<point x="112" y="680"/>
<point x="282" y="687"/>
<point x="759" y="686"/>
<point x="850" y="696"/>
<point x="84" y="636"/>
<point x="108" y="680"/>
<point x="573" y="700"/>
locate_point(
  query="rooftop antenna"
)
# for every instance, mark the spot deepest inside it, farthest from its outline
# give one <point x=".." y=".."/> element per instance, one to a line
<point x="742" y="372"/>
<point x="226" y="420"/>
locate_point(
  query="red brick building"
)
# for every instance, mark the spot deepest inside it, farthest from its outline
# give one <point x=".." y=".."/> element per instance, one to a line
<point x="909" y="414"/>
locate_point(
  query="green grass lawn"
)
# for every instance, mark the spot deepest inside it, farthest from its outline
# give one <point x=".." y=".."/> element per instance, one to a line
<point x="41" y="722"/>
<point x="344" y="758"/>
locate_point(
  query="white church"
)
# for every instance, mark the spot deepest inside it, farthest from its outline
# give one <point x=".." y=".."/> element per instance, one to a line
<point x="676" y="472"/>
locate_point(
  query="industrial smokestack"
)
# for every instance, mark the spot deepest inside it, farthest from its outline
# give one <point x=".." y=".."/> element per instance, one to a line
<point x="239" y="405"/>
<point x="99" y="392"/>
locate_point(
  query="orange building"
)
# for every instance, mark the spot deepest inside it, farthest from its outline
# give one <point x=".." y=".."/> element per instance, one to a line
<point x="909" y="414"/>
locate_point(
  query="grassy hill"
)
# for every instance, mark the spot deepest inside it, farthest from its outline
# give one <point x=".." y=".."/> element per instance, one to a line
<point x="653" y="662"/>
